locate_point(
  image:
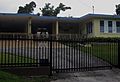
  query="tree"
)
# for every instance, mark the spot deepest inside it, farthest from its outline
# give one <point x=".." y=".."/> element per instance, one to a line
<point x="49" y="10"/>
<point x="28" y="8"/>
<point x="118" y="9"/>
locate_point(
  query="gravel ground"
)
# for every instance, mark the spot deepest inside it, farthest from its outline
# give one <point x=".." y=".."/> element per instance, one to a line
<point x="112" y="75"/>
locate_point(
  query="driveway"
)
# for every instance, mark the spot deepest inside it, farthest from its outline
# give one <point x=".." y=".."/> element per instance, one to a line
<point x="63" y="57"/>
<point x="112" y="75"/>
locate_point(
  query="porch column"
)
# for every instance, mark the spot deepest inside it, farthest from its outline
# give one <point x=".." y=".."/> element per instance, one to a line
<point x="29" y="25"/>
<point x="57" y="28"/>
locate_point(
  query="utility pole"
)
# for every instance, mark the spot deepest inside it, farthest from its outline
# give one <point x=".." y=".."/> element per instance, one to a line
<point x="93" y="8"/>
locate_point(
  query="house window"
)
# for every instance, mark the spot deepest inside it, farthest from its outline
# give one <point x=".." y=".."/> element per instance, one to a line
<point x="110" y="26"/>
<point x="89" y="27"/>
<point x="101" y="26"/>
<point x="118" y="26"/>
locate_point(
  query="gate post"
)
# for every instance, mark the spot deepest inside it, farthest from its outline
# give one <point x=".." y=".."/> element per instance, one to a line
<point x="118" y="54"/>
<point x="50" y="55"/>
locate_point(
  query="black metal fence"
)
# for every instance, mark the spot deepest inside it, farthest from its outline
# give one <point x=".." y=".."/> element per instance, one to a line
<point x="85" y="54"/>
<point x="61" y="54"/>
<point x="23" y="51"/>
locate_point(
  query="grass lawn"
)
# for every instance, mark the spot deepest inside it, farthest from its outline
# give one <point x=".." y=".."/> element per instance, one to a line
<point x="11" y="58"/>
<point x="105" y="51"/>
<point x="7" y="77"/>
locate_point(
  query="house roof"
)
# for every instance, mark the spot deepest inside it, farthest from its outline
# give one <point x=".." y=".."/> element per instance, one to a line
<point x="24" y="17"/>
<point x="36" y="17"/>
<point x="90" y="16"/>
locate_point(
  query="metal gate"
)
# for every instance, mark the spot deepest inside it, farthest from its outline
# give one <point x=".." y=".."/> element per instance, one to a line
<point x="62" y="54"/>
<point x="83" y="55"/>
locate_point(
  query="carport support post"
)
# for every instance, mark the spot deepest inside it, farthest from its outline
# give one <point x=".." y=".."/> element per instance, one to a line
<point x="57" y="29"/>
<point x="29" y="25"/>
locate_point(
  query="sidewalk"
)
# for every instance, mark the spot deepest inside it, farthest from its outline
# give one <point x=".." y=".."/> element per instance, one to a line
<point x="89" y="76"/>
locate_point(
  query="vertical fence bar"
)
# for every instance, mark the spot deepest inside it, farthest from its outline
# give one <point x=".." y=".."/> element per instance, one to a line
<point x="31" y="50"/>
<point x="21" y="50"/>
<point x="88" y="57"/>
<point x="8" y="51"/>
<point x="5" y="53"/>
<point x="79" y="55"/>
<point x="74" y="59"/>
<point x="61" y="56"/>
<point x="64" y="67"/>
<point x="25" y="45"/>
<point x="34" y="48"/>
<point x="111" y="50"/>
<point x="66" y="56"/>
<point x="2" y="50"/>
<point x="69" y="51"/>
<point x="18" y="52"/>
<point x="28" y="50"/>
<point x="12" y="49"/>
<point x="50" y="55"/>
<point x="57" y="55"/>
<point x="118" y="53"/>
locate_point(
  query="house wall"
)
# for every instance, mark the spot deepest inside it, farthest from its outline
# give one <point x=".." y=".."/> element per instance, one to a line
<point x="84" y="28"/>
<point x="96" y="27"/>
<point x="54" y="28"/>
<point x="97" y="32"/>
<point x="69" y="28"/>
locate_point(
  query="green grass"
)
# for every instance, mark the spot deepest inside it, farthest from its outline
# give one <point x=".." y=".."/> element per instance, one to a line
<point x="107" y="52"/>
<point x="12" y="58"/>
<point x="7" y="77"/>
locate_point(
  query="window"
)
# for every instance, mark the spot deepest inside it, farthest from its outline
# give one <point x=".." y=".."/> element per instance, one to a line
<point x="118" y="26"/>
<point x="101" y="26"/>
<point x="110" y="26"/>
<point x="89" y="27"/>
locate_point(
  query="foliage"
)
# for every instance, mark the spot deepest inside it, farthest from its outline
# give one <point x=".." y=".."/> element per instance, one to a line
<point x="9" y="58"/>
<point x="49" y="10"/>
<point x="28" y="8"/>
<point x="118" y="9"/>
<point x="8" y="77"/>
<point x="105" y="51"/>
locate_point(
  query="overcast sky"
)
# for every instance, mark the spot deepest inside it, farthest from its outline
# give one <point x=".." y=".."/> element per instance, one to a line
<point x="79" y="7"/>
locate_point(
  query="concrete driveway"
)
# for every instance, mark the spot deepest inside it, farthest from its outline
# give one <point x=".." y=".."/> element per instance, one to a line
<point x="63" y="57"/>
<point x="112" y="75"/>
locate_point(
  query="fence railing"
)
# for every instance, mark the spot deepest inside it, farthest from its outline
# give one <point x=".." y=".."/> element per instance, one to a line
<point x="60" y="52"/>
<point x="36" y="36"/>
<point x="85" y="54"/>
<point x="23" y="50"/>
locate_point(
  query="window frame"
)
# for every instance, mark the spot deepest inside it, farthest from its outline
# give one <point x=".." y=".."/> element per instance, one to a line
<point x="117" y="27"/>
<point x="110" y="26"/>
<point x="102" y="26"/>
<point x="89" y="27"/>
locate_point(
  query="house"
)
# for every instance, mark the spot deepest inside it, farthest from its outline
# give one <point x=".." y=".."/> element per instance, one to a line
<point x="27" y="23"/>
<point x="100" y="25"/>
<point x="90" y="25"/>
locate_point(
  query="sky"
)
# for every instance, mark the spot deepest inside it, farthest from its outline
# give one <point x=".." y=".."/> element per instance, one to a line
<point x="79" y="7"/>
